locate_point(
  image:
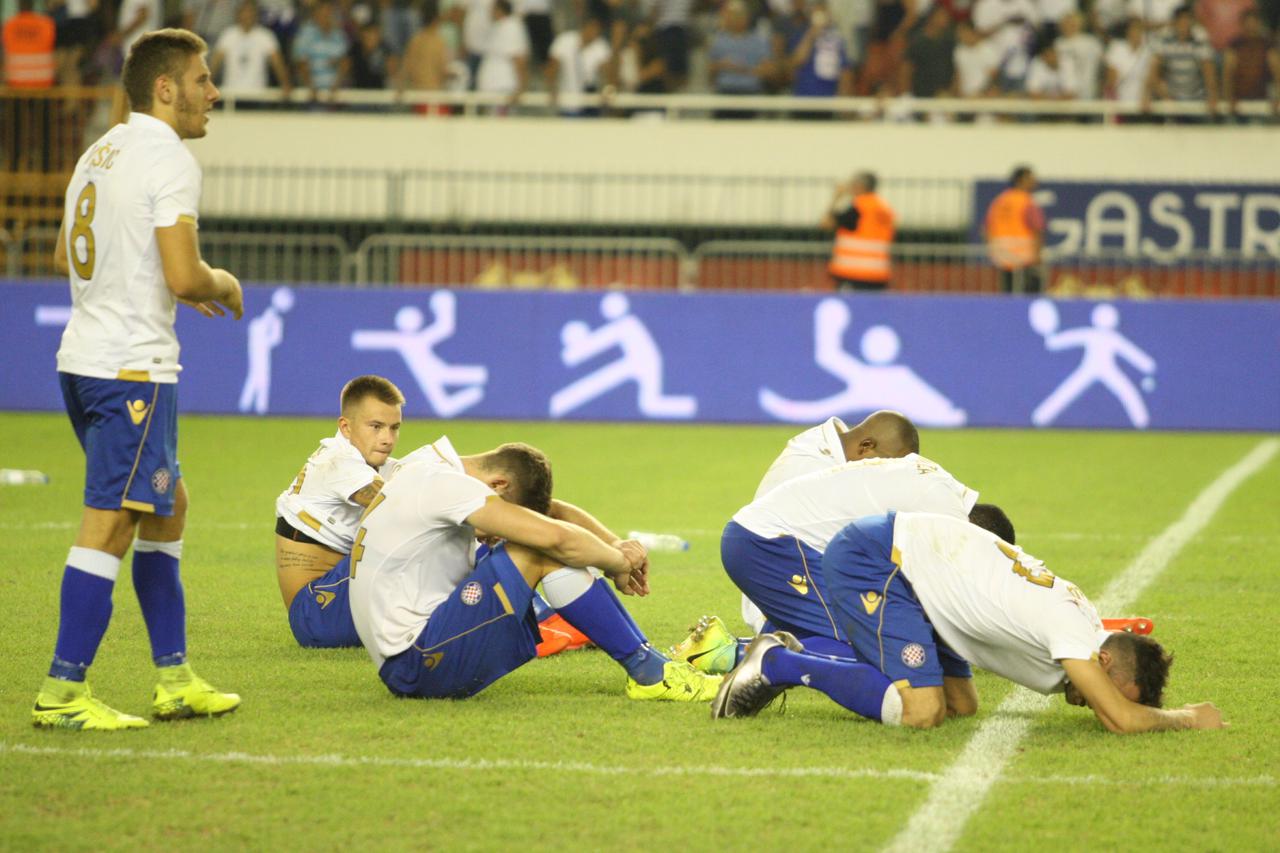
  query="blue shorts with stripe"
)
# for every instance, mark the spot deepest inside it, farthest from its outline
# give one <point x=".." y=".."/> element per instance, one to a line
<point x="482" y="631"/>
<point x="129" y="432"/>
<point x="783" y="576"/>
<point x="878" y="609"/>
<point x="320" y="615"/>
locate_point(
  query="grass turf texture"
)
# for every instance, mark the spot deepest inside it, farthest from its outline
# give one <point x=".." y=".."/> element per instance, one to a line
<point x="414" y="774"/>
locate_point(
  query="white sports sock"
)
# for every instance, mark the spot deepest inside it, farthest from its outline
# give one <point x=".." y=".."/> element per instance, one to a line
<point x="91" y="562"/>
<point x="146" y="546"/>
<point x="565" y="586"/>
<point x="891" y="707"/>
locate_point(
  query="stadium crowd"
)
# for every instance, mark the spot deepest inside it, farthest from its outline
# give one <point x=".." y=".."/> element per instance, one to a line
<point x="1214" y="52"/>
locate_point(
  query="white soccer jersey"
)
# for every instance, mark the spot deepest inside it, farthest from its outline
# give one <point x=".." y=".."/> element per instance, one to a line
<point x="415" y="548"/>
<point x="318" y="501"/>
<point x="815" y="507"/>
<point x="996" y="605"/>
<point x="135" y="179"/>
<point x="810" y="451"/>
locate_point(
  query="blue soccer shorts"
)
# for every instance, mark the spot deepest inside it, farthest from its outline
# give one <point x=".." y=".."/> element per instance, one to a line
<point x="320" y="615"/>
<point x="783" y="576"/>
<point x="129" y="432"/>
<point x="483" y="630"/>
<point x="884" y="620"/>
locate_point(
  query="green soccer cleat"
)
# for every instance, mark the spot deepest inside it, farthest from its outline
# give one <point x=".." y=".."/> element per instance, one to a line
<point x="196" y="698"/>
<point x="745" y="692"/>
<point x="80" y="712"/>
<point x="680" y="683"/>
<point x="710" y="646"/>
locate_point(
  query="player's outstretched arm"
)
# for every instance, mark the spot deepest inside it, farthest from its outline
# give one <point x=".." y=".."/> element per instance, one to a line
<point x="569" y="544"/>
<point x="1124" y="716"/>
<point x="190" y="278"/>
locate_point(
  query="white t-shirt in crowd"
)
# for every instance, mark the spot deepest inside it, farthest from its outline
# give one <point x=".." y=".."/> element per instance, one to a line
<point x="507" y="41"/>
<point x="318" y="501"/>
<point x="1131" y="68"/>
<point x="1154" y="12"/>
<point x="245" y="56"/>
<point x="129" y="11"/>
<point x="417" y="547"/>
<point x="138" y="177"/>
<point x="997" y="606"/>
<point x="815" y="507"/>
<point x="1043" y="79"/>
<point x="579" y="66"/>
<point x="975" y="67"/>
<point x="1080" y="57"/>
<point x="476" y="24"/>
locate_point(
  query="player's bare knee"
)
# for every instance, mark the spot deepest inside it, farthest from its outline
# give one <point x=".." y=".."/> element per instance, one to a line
<point x="533" y="565"/>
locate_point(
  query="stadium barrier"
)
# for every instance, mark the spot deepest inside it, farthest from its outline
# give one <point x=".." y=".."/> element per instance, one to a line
<point x="946" y="361"/>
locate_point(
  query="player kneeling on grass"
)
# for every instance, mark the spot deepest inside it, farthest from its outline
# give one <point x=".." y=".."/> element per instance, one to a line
<point x="438" y="626"/>
<point x="920" y="597"/>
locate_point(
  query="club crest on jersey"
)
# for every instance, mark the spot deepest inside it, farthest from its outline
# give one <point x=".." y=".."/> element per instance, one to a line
<point x="870" y="601"/>
<point x="138" y="411"/>
<point x="913" y="655"/>
<point x="471" y="593"/>
<point x="161" y="480"/>
<point x="799" y="584"/>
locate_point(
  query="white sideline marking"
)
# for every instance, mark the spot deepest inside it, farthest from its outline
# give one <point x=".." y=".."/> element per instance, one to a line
<point x="954" y="797"/>
<point x="500" y="765"/>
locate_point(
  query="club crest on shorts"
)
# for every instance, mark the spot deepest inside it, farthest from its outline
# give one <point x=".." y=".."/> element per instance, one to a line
<point x="161" y="480"/>
<point x="471" y="593"/>
<point x="913" y="655"/>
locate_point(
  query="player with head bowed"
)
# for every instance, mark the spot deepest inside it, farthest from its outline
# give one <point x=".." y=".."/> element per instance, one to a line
<point x="922" y="596"/>
<point x="440" y="623"/>
<point x="129" y="245"/>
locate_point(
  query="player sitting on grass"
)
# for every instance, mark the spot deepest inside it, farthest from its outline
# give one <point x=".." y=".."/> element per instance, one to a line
<point x="317" y="517"/>
<point x="920" y="596"/>
<point x="438" y="625"/>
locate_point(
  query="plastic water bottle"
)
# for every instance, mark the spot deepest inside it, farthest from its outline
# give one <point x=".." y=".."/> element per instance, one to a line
<point x="659" y="541"/>
<point x="16" y="477"/>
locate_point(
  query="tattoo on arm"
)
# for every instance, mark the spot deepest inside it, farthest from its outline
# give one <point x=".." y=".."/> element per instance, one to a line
<point x="365" y="496"/>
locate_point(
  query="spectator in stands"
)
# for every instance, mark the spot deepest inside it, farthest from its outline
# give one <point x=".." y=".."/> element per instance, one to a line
<point x="739" y="58"/>
<point x="537" y="26"/>
<point x="977" y="61"/>
<point x="580" y="62"/>
<point x="1014" y="231"/>
<point x="643" y="53"/>
<point x="78" y="32"/>
<point x="928" y="68"/>
<point x="134" y="18"/>
<point x="244" y="52"/>
<point x="1010" y="25"/>
<point x="670" y="21"/>
<point x="208" y="19"/>
<point x="1128" y="63"/>
<point x="372" y="62"/>
<point x="1155" y="14"/>
<point x="1080" y="54"/>
<point x="400" y="19"/>
<point x="864" y="225"/>
<point x="504" y="66"/>
<point x="1183" y="70"/>
<point x="477" y="21"/>
<point x="27" y="134"/>
<point x="426" y="63"/>
<point x="887" y="41"/>
<point x="1046" y="80"/>
<point x="818" y="59"/>
<point x="1249" y="65"/>
<point x="320" y="52"/>
<point x="1050" y="13"/>
<point x="1223" y="20"/>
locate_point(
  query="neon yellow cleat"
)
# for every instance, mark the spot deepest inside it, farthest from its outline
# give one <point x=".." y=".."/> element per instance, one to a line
<point x="196" y="698"/>
<point x="680" y="683"/>
<point x="80" y="712"/>
<point x="710" y="646"/>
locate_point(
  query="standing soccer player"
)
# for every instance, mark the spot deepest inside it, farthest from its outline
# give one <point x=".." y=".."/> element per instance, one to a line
<point x="128" y="243"/>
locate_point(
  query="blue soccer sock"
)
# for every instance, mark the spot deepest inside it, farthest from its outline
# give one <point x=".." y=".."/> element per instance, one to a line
<point x="541" y="610"/>
<point x="85" y="610"/>
<point x="588" y="604"/>
<point x="828" y="646"/>
<point x="859" y="687"/>
<point x="159" y="590"/>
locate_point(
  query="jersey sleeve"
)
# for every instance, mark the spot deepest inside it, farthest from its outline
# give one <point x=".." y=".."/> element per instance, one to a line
<point x="451" y="498"/>
<point x="345" y="477"/>
<point x="1070" y="634"/>
<point x="175" y="189"/>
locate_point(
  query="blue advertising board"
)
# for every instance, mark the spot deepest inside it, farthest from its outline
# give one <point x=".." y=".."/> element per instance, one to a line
<point x="1162" y="221"/>
<point x="944" y="361"/>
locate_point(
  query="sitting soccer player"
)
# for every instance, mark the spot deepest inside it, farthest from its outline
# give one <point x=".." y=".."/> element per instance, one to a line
<point x="438" y="625"/>
<point x="920" y="596"/>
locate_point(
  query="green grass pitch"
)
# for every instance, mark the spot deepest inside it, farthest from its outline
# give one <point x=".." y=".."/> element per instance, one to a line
<point x="321" y="756"/>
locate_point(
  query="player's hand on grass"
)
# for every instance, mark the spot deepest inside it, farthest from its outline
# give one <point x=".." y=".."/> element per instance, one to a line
<point x="1205" y="715"/>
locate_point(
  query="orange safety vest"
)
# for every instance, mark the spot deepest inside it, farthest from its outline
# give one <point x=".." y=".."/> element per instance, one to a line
<point x="28" y="51"/>
<point x="863" y="253"/>
<point x="1011" y="242"/>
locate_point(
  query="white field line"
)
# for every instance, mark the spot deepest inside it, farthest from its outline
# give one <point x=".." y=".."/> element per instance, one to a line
<point x="503" y="765"/>
<point x="960" y="791"/>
